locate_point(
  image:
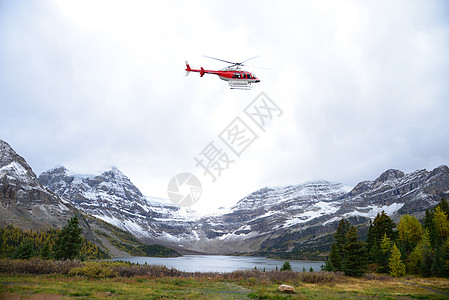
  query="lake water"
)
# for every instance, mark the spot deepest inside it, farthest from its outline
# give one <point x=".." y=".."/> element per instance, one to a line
<point x="220" y="263"/>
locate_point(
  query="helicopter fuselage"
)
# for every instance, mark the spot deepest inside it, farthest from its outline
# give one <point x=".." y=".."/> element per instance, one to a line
<point x="237" y="78"/>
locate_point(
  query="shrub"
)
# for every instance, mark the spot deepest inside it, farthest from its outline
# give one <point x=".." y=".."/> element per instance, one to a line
<point x="36" y="266"/>
<point x="93" y="270"/>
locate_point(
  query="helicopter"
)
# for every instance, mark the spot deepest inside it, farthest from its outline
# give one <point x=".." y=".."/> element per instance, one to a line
<point x="233" y="74"/>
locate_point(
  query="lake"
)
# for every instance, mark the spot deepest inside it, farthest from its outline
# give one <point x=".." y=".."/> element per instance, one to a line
<point x="220" y="263"/>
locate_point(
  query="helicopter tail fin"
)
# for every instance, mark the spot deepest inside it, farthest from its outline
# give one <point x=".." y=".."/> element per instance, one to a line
<point x="188" y="69"/>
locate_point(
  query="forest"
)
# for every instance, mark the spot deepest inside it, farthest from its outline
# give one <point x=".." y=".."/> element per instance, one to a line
<point x="65" y="243"/>
<point x="408" y="247"/>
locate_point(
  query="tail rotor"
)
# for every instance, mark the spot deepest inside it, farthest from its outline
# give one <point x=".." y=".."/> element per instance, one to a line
<point x="188" y="69"/>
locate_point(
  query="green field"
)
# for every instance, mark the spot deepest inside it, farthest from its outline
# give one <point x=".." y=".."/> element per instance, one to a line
<point x="112" y="280"/>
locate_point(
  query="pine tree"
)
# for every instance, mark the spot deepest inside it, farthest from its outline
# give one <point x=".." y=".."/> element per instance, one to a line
<point x="445" y="259"/>
<point x="355" y="254"/>
<point x="25" y="251"/>
<point x="382" y="224"/>
<point x="45" y="251"/>
<point x="397" y="267"/>
<point x="437" y="263"/>
<point x="385" y="250"/>
<point x="334" y="261"/>
<point x="68" y="242"/>
<point x="286" y="266"/>
<point x="429" y="226"/>
<point x="375" y="255"/>
<point x="340" y="243"/>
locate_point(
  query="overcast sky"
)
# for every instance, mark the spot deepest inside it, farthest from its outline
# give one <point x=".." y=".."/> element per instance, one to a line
<point x="363" y="87"/>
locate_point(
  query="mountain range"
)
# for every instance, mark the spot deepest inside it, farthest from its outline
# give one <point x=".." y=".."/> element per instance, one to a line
<point x="294" y="221"/>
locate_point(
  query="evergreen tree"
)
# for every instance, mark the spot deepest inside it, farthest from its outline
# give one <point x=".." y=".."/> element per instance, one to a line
<point x="25" y="251"/>
<point x="429" y="226"/>
<point x="381" y="225"/>
<point x="397" y="267"/>
<point x="333" y="258"/>
<point x="45" y="251"/>
<point x="334" y="261"/>
<point x="355" y="253"/>
<point x="385" y="250"/>
<point x="68" y="242"/>
<point x="375" y="255"/>
<point x="340" y="238"/>
<point x="445" y="259"/>
<point x="286" y="266"/>
<point x="437" y="263"/>
<point x="426" y="266"/>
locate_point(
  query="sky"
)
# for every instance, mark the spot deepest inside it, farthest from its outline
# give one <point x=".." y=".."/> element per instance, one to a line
<point x="360" y="87"/>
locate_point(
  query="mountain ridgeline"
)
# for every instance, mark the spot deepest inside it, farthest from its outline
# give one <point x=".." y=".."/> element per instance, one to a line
<point x="295" y="221"/>
<point x="291" y="222"/>
<point x="30" y="207"/>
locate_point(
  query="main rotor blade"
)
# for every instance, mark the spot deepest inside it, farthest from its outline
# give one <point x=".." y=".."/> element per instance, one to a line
<point x="249" y="59"/>
<point x="229" y="62"/>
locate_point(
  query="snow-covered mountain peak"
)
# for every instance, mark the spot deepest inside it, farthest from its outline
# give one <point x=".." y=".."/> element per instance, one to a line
<point x="14" y="167"/>
<point x="110" y="196"/>
<point x="24" y="199"/>
<point x="313" y="191"/>
<point x="389" y="175"/>
<point x="116" y="175"/>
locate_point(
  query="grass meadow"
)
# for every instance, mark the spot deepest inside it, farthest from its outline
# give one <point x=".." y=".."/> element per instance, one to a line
<point x="39" y="279"/>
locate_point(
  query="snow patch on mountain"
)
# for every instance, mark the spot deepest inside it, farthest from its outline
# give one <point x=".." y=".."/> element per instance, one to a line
<point x="371" y="211"/>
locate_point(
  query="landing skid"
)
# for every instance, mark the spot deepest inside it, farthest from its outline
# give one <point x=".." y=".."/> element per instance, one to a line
<point x="239" y="85"/>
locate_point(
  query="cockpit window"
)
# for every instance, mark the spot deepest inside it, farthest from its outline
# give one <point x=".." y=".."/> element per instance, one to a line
<point x="253" y="76"/>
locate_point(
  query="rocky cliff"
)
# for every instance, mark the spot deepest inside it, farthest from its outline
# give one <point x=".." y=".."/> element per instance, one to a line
<point x="24" y="202"/>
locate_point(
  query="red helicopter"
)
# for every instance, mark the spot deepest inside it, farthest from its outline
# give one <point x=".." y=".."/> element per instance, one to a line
<point x="233" y="74"/>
